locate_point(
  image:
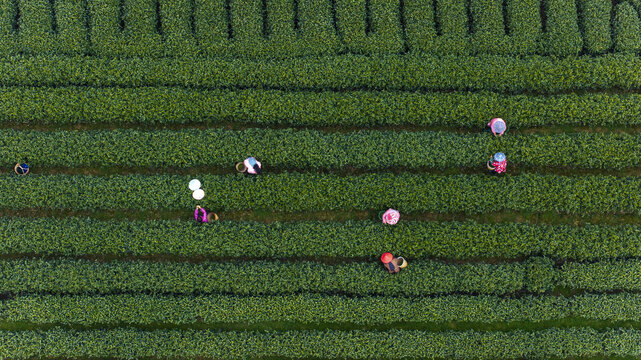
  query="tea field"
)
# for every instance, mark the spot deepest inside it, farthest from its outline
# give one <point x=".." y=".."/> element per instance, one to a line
<point x="353" y="107"/>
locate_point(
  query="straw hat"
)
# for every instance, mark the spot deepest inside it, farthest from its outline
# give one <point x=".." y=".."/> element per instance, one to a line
<point x="387" y="258"/>
<point x="499" y="156"/>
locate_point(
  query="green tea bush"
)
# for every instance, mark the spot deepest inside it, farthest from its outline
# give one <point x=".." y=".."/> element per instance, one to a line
<point x="360" y="108"/>
<point x="420" y="26"/>
<point x="602" y="276"/>
<point x="523" y="19"/>
<point x="626" y="28"/>
<point x="141" y="310"/>
<point x="311" y="149"/>
<point x="294" y="192"/>
<point x="383" y="35"/>
<point x="266" y="29"/>
<point x="407" y="73"/>
<point x="139" y="36"/>
<point x="257" y="278"/>
<point x="135" y="344"/>
<point x="487" y="26"/>
<point x="465" y="240"/>
<point x="562" y="36"/>
<point x="595" y="25"/>
<point x="422" y="278"/>
<point x="8" y="36"/>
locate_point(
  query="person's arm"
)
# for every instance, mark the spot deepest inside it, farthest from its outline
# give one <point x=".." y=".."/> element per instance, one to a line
<point x="396" y="267"/>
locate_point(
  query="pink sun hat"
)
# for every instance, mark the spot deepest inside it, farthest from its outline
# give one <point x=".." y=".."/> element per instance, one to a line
<point x="391" y="217"/>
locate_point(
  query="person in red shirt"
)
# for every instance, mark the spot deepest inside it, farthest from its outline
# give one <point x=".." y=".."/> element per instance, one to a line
<point x="390" y="263"/>
<point x="497" y="163"/>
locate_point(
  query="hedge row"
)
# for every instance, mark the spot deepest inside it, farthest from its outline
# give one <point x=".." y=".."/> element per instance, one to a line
<point x="361" y="108"/>
<point x="562" y="36"/>
<point x="293" y="192"/>
<point x="595" y="25"/>
<point x="39" y="32"/>
<point x="626" y="28"/>
<point x="310" y="149"/>
<point x="467" y="240"/>
<point x="405" y="72"/>
<point x="269" y="278"/>
<point x="421" y="278"/>
<point x="284" y="28"/>
<point x="134" y="344"/>
<point x="143" y="310"/>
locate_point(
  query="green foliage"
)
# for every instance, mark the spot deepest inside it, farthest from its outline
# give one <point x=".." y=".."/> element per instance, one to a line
<point x="595" y="25"/>
<point x="134" y="344"/>
<point x="290" y="28"/>
<point x="311" y="149"/>
<point x="602" y="276"/>
<point x="450" y="240"/>
<point x="109" y="310"/>
<point x="406" y="72"/>
<point x="293" y="192"/>
<point x="626" y="28"/>
<point x="301" y="108"/>
<point x="523" y="18"/>
<point x="487" y="26"/>
<point x="420" y="27"/>
<point x="421" y="278"/>
<point x="258" y="278"/>
<point x="562" y="36"/>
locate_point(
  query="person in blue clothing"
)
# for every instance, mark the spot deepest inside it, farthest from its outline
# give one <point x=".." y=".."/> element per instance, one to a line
<point x="21" y="169"/>
<point x="253" y="166"/>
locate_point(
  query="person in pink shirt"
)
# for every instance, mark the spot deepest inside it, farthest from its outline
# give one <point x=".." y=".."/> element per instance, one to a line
<point x="201" y="215"/>
<point x="497" y="126"/>
<point x="253" y="166"/>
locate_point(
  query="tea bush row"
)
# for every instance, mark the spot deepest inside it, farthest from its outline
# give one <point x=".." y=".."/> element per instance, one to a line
<point x="307" y="27"/>
<point x="346" y="72"/>
<point x="412" y="239"/>
<point x="135" y="344"/>
<point x="258" y="278"/>
<point x="359" y="108"/>
<point x="274" y="278"/>
<point x="311" y="149"/>
<point x="295" y="192"/>
<point x="142" y="310"/>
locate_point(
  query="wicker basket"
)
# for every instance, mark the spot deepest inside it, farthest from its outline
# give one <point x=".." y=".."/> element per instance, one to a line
<point x="489" y="166"/>
<point x="18" y="166"/>
<point x="403" y="262"/>
<point x="240" y="167"/>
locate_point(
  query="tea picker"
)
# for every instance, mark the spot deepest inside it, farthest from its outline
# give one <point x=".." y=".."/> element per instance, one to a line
<point x="21" y="169"/>
<point x="393" y="264"/>
<point x="200" y="214"/>
<point x="497" y="163"/>
<point x="390" y="216"/>
<point x="250" y="165"/>
<point x="497" y="126"/>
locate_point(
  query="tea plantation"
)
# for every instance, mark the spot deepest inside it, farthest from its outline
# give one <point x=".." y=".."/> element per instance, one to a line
<point x="353" y="107"/>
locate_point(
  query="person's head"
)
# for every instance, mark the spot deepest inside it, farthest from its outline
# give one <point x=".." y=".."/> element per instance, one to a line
<point x="499" y="127"/>
<point x="387" y="258"/>
<point x="499" y="157"/>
